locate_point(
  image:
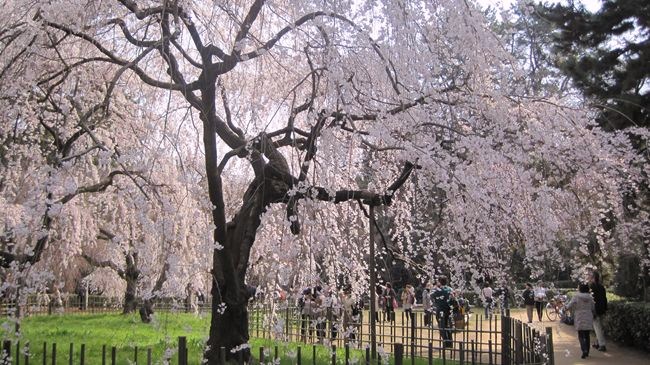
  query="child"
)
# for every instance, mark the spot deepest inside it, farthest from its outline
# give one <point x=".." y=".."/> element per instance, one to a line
<point x="584" y="309"/>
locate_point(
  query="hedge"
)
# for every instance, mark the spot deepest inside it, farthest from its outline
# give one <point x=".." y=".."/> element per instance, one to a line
<point x="628" y="323"/>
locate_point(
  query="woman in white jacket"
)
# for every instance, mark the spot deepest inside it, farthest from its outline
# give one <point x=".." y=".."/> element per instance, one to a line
<point x="584" y="309"/>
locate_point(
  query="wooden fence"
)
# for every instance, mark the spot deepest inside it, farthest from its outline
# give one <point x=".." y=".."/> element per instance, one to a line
<point x="482" y="340"/>
<point x="490" y="340"/>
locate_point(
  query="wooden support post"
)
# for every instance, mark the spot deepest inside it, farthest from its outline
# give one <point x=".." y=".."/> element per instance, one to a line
<point x="6" y="351"/>
<point x="82" y="354"/>
<point x="299" y="356"/>
<point x="398" y="353"/>
<point x="222" y="356"/>
<point x="461" y="353"/>
<point x="182" y="350"/>
<point x="549" y="346"/>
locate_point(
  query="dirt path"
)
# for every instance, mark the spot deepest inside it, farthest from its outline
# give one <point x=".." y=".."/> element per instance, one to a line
<point x="567" y="349"/>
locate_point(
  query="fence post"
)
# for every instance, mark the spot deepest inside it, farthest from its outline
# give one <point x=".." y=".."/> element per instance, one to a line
<point x="54" y="353"/>
<point x="299" y="355"/>
<point x="398" y="350"/>
<point x="17" y="352"/>
<point x="505" y="341"/>
<point x="367" y="355"/>
<point x="135" y="355"/>
<point x="287" y="323"/>
<point x="82" y="354"/>
<point x="519" y="344"/>
<point x="490" y="353"/>
<point x="71" y="353"/>
<point x="27" y="354"/>
<point x="6" y="351"/>
<point x="549" y="346"/>
<point x="412" y="337"/>
<point x="103" y="354"/>
<point x="430" y="353"/>
<point x="222" y="356"/>
<point x="333" y="354"/>
<point x="149" y="356"/>
<point x="461" y="353"/>
<point x="347" y="354"/>
<point x="44" y="353"/>
<point x="262" y="355"/>
<point x="182" y="350"/>
<point x="113" y="355"/>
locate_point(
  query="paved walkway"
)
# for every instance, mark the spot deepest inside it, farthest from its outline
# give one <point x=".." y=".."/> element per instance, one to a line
<point x="567" y="348"/>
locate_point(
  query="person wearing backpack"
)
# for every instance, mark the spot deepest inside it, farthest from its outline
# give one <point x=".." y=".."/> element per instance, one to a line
<point x="441" y="296"/>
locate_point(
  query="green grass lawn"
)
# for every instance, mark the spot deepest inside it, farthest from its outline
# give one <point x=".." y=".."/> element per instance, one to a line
<point x="126" y="332"/>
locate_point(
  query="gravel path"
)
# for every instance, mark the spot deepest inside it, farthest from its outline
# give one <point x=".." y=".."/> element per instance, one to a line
<point x="567" y="349"/>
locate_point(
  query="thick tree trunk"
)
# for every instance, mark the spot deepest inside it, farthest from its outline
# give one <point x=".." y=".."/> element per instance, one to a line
<point x="229" y="325"/>
<point x="130" y="301"/>
<point x="131" y="275"/>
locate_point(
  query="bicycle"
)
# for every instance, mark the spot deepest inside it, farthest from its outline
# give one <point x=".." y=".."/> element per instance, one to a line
<point x="556" y="307"/>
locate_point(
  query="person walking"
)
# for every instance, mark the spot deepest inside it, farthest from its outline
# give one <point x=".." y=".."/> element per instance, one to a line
<point x="442" y="298"/>
<point x="390" y="301"/>
<point x="488" y="300"/>
<point x="540" y="298"/>
<point x="584" y="309"/>
<point x="408" y="300"/>
<point x="600" y="300"/>
<point x="379" y="303"/>
<point x="427" y="304"/>
<point x="348" y="302"/>
<point x="529" y="301"/>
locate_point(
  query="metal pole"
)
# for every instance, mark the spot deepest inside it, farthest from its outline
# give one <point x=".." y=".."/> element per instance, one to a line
<point x="373" y="294"/>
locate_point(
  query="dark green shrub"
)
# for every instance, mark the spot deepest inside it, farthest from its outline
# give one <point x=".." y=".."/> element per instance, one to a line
<point x="629" y="280"/>
<point x="628" y="323"/>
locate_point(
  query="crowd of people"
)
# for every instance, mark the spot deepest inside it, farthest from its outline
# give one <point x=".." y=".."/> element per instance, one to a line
<point x="329" y="312"/>
<point x="339" y="312"/>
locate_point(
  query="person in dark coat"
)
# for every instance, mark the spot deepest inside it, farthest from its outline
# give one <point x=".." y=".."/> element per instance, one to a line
<point x="600" y="298"/>
<point x="441" y="296"/>
<point x="529" y="301"/>
<point x="584" y="308"/>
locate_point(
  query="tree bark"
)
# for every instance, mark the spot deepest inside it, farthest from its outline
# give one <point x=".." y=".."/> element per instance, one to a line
<point x="131" y="276"/>
<point x="229" y="324"/>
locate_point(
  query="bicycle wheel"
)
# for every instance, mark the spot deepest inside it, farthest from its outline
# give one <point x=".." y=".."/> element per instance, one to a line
<point x="551" y="312"/>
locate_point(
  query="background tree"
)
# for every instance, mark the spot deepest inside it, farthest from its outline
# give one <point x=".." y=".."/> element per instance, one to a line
<point x="606" y="53"/>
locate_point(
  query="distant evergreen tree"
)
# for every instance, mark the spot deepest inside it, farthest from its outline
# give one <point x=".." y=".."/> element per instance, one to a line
<point x="607" y="55"/>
